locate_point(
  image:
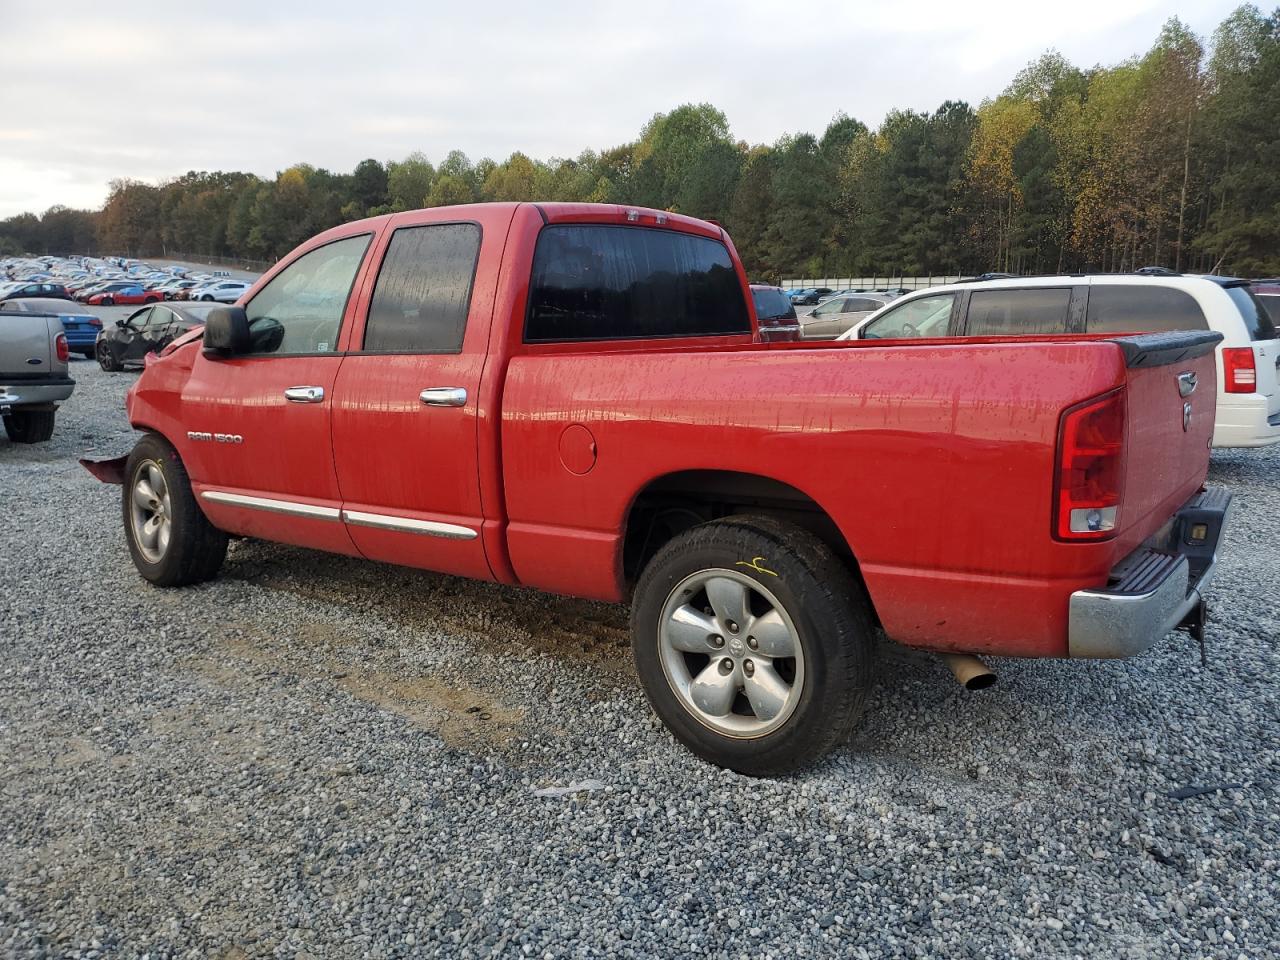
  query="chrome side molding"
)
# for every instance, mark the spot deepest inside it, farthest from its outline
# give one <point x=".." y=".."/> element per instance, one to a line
<point x="430" y="528"/>
<point x="311" y="510"/>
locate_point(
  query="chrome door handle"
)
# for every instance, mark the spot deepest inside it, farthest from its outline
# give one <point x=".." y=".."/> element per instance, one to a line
<point x="304" y="394"/>
<point x="444" y="396"/>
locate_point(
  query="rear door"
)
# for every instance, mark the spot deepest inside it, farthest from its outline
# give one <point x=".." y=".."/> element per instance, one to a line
<point x="407" y="397"/>
<point x="1005" y="312"/>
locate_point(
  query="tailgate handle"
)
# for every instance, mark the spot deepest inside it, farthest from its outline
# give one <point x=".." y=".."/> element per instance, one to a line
<point x="1186" y="384"/>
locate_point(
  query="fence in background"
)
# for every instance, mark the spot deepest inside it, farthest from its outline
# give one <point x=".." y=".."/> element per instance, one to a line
<point x="871" y="283"/>
<point x="236" y="263"/>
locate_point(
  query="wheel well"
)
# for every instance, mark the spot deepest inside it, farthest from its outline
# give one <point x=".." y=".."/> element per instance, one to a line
<point x="672" y="504"/>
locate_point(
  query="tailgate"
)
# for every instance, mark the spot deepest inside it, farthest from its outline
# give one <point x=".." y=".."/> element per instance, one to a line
<point x="23" y="339"/>
<point x="1171" y="403"/>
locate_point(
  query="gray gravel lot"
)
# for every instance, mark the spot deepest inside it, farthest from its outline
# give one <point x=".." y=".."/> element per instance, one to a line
<point x="317" y="756"/>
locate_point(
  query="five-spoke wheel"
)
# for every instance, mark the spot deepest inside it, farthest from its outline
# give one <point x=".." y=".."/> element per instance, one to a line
<point x="152" y="511"/>
<point x="729" y="651"/>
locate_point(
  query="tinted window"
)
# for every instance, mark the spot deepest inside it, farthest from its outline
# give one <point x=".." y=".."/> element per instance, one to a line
<point x="994" y="313"/>
<point x="604" y="283"/>
<point x="773" y="305"/>
<point x="1136" y="309"/>
<point x="1272" y="302"/>
<point x="860" y="304"/>
<point x="925" y="317"/>
<point x="830" y="307"/>
<point x="423" y="292"/>
<point x="1256" y="319"/>
<point x="300" y="309"/>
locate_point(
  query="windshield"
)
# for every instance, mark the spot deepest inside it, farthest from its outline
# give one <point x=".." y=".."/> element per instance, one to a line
<point x="925" y="317"/>
<point x="772" y="305"/>
<point x="1256" y="317"/>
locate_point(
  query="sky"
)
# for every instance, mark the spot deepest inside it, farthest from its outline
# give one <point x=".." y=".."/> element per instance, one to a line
<point x="150" y="90"/>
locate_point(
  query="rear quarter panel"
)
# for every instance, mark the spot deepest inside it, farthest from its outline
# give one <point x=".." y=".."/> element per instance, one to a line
<point x="935" y="460"/>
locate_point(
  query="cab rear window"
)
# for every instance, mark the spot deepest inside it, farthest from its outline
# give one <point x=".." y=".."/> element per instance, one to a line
<point x="604" y="282"/>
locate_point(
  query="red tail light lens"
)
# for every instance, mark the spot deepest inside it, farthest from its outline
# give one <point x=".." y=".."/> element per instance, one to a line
<point x="60" y="346"/>
<point x="1090" y="469"/>
<point x="1239" y="375"/>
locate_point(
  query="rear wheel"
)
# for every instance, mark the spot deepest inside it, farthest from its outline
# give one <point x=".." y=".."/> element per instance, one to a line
<point x="170" y="539"/>
<point x="754" y="644"/>
<point x="107" y="360"/>
<point x="29" y="426"/>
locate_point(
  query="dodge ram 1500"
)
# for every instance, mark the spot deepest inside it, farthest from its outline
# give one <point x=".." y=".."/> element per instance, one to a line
<point x="575" y="398"/>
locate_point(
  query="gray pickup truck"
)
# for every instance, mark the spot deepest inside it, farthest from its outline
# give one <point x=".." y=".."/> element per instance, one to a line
<point x="33" y="374"/>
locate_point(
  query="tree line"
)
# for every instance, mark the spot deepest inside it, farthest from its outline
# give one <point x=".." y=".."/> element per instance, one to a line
<point x="1168" y="158"/>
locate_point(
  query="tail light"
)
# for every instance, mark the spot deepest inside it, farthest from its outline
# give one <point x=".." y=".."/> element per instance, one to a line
<point x="1090" y="469"/>
<point x="60" y="347"/>
<point x="1239" y="373"/>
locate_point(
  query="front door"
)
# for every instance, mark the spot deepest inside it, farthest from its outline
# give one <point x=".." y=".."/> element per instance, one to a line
<point x="258" y="446"/>
<point x="405" y="406"/>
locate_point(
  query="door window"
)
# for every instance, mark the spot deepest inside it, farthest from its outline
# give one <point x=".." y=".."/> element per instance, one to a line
<point x="599" y="282"/>
<point x="830" y="307"/>
<point x="997" y="313"/>
<point x="862" y="304"/>
<point x="925" y="317"/>
<point x="300" y="309"/>
<point x="423" y="291"/>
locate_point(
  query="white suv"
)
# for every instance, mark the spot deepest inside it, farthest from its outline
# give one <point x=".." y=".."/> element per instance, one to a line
<point x="1248" y="356"/>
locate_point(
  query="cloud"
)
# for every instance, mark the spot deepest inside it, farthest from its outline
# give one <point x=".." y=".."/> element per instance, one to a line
<point x="150" y="90"/>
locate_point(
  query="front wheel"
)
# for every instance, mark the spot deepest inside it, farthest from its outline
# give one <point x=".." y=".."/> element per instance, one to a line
<point x="108" y="301"/>
<point x="170" y="539"/>
<point x="29" y="426"/>
<point x="207" y="297"/>
<point x="753" y="643"/>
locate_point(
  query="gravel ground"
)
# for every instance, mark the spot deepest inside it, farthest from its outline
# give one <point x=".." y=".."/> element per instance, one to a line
<point x="316" y="756"/>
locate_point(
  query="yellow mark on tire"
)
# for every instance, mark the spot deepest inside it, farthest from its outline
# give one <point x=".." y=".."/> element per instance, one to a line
<point x="755" y="564"/>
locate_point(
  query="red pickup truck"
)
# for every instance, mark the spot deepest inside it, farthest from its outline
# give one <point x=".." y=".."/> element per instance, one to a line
<point x="574" y="398"/>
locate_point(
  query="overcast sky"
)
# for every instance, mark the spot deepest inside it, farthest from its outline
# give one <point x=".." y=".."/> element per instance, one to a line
<point x="93" y="91"/>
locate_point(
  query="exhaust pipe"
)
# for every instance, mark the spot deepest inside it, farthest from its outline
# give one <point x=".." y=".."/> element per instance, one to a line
<point x="970" y="672"/>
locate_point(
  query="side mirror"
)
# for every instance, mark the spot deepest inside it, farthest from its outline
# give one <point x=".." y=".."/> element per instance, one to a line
<point x="226" y="332"/>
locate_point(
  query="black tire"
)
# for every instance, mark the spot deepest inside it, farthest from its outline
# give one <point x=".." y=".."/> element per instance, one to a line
<point x="107" y="360"/>
<point x="207" y="298"/>
<point x="108" y="301"/>
<point x="831" y="615"/>
<point x="196" y="548"/>
<point x="29" y="426"/>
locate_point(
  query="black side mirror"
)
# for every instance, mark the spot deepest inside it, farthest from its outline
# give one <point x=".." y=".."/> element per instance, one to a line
<point x="226" y="332"/>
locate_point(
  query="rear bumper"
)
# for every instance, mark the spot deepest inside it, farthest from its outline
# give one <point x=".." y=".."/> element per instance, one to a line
<point x="23" y="393"/>
<point x="1153" y="589"/>
<point x="1245" y="421"/>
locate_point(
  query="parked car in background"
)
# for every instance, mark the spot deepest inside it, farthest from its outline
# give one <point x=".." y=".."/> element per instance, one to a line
<point x="223" y="291"/>
<point x="86" y="294"/>
<point x="33" y="374"/>
<point x="127" y="293"/>
<point x="80" y="326"/>
<point x="44" y="288"/>
<point x="1248" y="358"/>
<point x="833" y="317"/>
<point x="809" y="295"/>
<point x="775" y="313"/>
<point x="149" y="330"/>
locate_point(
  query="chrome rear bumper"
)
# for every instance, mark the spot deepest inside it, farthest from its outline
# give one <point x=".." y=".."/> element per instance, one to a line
<point x="1153" y="589"/>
